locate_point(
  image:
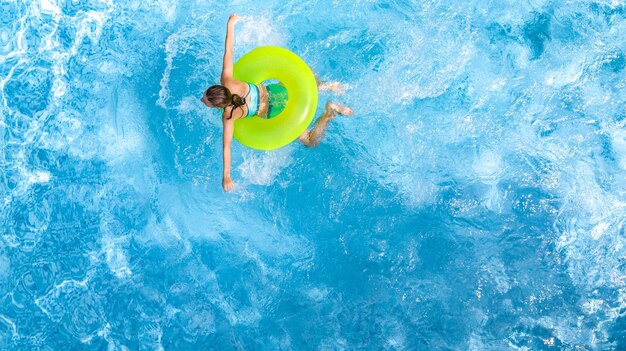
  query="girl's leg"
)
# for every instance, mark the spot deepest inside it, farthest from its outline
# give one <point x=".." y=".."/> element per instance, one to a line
<point x="312" y="137"/>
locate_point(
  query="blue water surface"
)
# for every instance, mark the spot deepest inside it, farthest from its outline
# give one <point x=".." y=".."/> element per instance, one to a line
<point x="476" y="200"/>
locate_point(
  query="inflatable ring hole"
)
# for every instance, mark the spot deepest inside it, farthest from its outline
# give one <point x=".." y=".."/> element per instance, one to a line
<point x="278" y="96"/>
<point x="270" y="81"/>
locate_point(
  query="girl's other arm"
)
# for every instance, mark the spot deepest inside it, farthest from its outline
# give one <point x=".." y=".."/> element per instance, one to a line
<point x="227" y="68"/>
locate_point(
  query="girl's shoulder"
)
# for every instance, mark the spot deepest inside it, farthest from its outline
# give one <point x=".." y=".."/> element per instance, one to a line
<point x="233" y="84"/>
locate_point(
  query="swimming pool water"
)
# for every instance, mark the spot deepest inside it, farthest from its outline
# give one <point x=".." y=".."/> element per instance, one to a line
<point x="475" y="201"/>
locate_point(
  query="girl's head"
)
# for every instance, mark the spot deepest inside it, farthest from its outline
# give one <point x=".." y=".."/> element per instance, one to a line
<point x="219" y="96"/>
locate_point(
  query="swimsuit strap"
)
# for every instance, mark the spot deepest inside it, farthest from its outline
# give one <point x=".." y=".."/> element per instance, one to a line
<point x="248" y="93"/>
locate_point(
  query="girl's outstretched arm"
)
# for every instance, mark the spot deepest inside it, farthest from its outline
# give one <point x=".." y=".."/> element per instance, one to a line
<point x="227" y="138"/>
<point x="227" y="69"/>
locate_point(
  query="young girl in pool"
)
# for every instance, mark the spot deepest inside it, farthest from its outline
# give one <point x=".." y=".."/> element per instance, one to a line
<point x="243" y="99"/>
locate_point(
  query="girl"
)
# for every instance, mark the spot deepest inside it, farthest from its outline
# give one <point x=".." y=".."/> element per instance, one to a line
<point x="243" y="99"/>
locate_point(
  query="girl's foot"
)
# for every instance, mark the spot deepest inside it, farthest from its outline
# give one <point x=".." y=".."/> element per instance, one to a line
<point x="340" y="109"/>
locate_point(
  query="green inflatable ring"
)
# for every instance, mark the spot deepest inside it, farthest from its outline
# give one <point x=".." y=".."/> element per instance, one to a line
<point x="272" y="62"/>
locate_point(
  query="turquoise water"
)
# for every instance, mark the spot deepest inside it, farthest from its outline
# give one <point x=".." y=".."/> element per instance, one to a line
<point x="475" y="201"/>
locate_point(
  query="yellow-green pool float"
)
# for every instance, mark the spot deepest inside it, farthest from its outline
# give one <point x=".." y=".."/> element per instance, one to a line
<point x="276" y="63"/>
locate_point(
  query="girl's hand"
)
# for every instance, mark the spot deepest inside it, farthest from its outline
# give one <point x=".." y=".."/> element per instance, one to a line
<point x="227" y="183"/>
<point x="234" y="18"/>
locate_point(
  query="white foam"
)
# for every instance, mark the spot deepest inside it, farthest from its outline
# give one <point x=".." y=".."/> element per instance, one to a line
<point x="28" y="177"/>
<point x="487" y="166"/>
<point x="261" y="168"/>
<point x="599" y="229"/>
<point x="567" y="75"/>
<point x="168" y="9"/>
<point x="397" y="340"/>
<point x="475" y="343"/>
<point x="4" y="36"/>
<point x="91" y="24"/>
<point x="49" y="6"/>
<point x="116" y="255"/>
<point x="618" y="141"/>
<point x="170" y="53"/>
<point x="121" y="145"/>
<point x="592" y="306"/>
<point x="418" y="190"/>
<point x="497" y="84"/>
<point x="59" y="88"/>
<point x="150" y="335"/>
<point x="176" y="44"/>
<point x="112" y="68"/>
<point x="439" y="65"/>
<point x="397" y="170"/>
<point x="258" y="31"/>
<point x="591" y="238"/>
<point x="317" y="294"/>
<point x="38" y="177"/>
